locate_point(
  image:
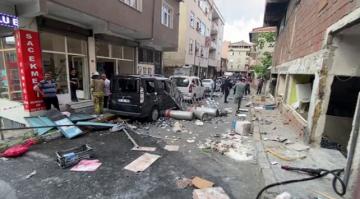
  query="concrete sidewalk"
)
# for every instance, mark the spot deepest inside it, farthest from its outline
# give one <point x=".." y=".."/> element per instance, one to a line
<point x="270" y="125"/>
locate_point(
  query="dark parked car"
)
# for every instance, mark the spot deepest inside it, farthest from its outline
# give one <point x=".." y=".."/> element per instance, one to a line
<point x="142" y="96"/>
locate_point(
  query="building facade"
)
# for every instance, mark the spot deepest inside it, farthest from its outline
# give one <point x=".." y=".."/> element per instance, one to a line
<point x="316" y="63"/>
<point x="239" y="56"/>
<point x="63" y="35"/>
<point x="200" y="36"/>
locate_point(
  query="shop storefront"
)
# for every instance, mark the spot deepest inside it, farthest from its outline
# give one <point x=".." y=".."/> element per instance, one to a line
<point x="114" y="58"/>
<point x="62" y="54"/>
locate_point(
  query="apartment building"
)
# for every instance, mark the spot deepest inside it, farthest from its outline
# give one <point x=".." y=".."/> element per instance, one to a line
<point x="239" y="56"/>
<point x="316" y="62"/>
<point x="200" y="33"/>
<point x="63" y="35"/>
<point x="215" y="50"/>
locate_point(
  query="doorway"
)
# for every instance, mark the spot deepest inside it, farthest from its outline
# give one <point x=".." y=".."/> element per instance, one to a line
<point x="340" y="113"/>
<point x="106" y="66"/>
<point x="77" y="63"/>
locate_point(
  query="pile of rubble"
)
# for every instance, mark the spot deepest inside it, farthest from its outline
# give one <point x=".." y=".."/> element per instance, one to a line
<point x="237" y="147"/>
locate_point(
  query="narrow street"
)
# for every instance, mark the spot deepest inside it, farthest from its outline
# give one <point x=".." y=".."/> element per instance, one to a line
<point x="240" y="179"/>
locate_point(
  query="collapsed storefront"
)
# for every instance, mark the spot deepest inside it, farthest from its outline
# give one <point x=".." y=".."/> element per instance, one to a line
<point x="31" y="46"/>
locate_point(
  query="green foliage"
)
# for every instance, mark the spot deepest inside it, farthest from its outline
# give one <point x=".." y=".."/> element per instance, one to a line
<point x="263" y="38"/>
<point x="262" y="70"/>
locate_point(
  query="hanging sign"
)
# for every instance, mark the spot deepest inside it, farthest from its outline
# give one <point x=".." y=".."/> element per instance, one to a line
<point x="9" y="20"/>
<point x="30" y="65"/>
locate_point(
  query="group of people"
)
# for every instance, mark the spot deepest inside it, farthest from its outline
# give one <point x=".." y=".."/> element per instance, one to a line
<point x="241" y="88"/>
<point x="100" y="85"/>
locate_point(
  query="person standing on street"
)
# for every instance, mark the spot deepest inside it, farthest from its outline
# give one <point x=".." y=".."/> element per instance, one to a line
<point x="98" y="91"/>
<point x="247" y="86"/>
<point x="107" y="89"/>
<point x="74" y="84"/>
<point x="47" y="88"/>
<point x="239" y="93"/>
<point x="260" y="85"/>
<point x="226" y="86"/>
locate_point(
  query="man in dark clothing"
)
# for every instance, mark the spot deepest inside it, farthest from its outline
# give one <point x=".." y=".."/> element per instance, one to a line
<point x="47" y="88"/>
<point x="247" y="86"/>
<point x="239" y="90"/>
<point x="226" y="86"/>
<point x="74" y="84"/>
<point x="260" y="85"/>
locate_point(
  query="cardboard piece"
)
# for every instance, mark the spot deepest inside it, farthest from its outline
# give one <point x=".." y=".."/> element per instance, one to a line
<point x="201" y="183"/>
<point x="87" y="165"/>
<point x="171" y="147"/>
<point x="142" y="162"/>
<point x="298" y="147"/>
<point x="210" y="193"/>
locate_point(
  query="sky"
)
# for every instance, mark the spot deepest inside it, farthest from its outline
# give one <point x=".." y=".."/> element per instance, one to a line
<point x="241" y="16"/>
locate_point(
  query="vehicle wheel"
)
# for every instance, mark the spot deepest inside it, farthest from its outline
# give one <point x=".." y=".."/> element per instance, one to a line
<point x="154" y="114"/>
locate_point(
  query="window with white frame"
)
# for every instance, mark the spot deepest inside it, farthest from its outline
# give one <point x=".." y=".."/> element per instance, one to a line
<point x="137" y="4"/>
<point x="191" y="46"/>
<point x="167" y="15"/>
<point x="192" y="19"/>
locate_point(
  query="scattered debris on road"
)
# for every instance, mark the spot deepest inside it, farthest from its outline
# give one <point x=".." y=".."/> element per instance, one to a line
<point x="87" y="165"/>
<point x="31" y="174"/>
<point x="201" y="183"/>
<point x="171" y="147"/>
<point x="142" y="162"/>
<point x="183" y="183"/>
<point x="210" y="193"/>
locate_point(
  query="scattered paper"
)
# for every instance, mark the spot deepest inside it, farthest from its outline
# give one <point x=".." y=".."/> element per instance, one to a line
<point x="142" y="162"/>
<point x="190" y="141"/>
<point x="171" y="147"/>
<point x="144" y="148"/>
<point x="87" y="165"/>
<point x="274" y="163"/>
<point x="201" y="183"/>
<point x="210" y="193"/>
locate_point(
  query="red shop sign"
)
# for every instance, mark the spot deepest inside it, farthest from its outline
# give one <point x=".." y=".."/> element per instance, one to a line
<point x="30" y="65"/>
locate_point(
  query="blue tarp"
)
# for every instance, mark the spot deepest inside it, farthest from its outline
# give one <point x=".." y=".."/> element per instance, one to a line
<point x="40" y="121"/>
<point x="70" y="131"/>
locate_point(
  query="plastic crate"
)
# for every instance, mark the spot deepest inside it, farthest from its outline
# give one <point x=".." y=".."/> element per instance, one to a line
<point x="70" y="157"/>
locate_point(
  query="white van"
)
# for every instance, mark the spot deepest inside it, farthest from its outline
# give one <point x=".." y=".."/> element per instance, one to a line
<point x="190" y="86"/>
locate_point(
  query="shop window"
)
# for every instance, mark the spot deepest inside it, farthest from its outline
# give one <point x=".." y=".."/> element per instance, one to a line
<point x="128" y="53"/>
<point x="77" y="46"/>
<point x="157" y="57"/>
<point x="52" y="42"/>
<point x="125" y="67"/>
<point x="56" y="64"/>
<point x="116" y="51"/>
<point x="146" y="55"/>
<point x="8" y="42"/>
<point x="4" y="85"/>
<point x="102" y="49"/>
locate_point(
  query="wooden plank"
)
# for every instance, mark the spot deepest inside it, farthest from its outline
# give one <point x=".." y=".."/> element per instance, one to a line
<point x="142" y="162"/>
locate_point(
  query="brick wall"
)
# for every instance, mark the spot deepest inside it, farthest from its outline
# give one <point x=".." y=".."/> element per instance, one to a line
<point x="306" y="25"/>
